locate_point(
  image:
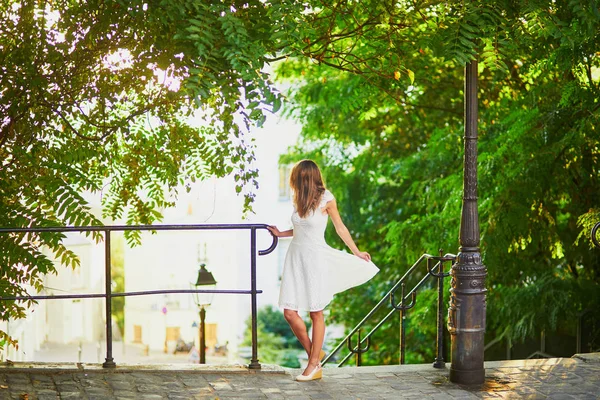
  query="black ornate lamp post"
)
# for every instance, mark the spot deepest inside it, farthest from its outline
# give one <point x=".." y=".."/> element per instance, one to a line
<point x="205" y="281"/>
<point x="466" y="315"/>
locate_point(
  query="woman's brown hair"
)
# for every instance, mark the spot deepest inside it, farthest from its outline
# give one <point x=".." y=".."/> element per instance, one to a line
<point x="307" y="183"/>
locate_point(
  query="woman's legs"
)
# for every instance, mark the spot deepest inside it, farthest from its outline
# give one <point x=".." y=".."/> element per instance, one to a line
<point x="318" y="336"/>
<point x="298" y="327"/>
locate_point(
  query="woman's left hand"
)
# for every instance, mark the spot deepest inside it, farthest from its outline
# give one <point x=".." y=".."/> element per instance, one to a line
<point x="274" y="231"/>
<point x="364" y="255"/>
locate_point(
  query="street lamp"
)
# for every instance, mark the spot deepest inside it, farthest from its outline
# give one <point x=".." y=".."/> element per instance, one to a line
<point x="205" y="281"/>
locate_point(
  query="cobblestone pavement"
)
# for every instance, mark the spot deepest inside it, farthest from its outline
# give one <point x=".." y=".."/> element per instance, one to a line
<point x="572" y="378"/>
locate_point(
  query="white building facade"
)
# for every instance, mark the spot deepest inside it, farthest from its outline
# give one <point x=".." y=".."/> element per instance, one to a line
<point x="170" y="260"/>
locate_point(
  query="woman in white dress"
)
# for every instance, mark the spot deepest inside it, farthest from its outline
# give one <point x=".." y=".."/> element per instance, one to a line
<point x="313" y="272"/>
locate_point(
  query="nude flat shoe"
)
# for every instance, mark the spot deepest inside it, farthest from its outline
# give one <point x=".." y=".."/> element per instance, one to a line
<point x="316" y="373"/>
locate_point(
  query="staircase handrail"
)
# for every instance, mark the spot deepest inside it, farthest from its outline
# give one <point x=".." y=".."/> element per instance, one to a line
<point x="387" y="297"/>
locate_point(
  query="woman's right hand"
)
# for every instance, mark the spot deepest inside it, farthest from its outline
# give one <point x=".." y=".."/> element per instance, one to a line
<point x="274" y="231"/>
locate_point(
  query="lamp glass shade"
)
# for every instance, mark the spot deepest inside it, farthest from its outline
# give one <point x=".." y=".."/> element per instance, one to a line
<point x="205" y="281"/>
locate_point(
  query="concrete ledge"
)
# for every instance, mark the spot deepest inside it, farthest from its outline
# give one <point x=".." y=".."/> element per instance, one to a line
<point x="590" y="358"/>
<point x="161" y="368"/>
<point x="593" y="358"/>
<point x="383" y="369"/>
<point x="428" y="368"/>
<point x="539" y="362"/>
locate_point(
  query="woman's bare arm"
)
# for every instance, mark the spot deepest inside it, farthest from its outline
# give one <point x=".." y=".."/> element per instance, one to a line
<point x="276" y="232"/>
<point x="342" y="231"/>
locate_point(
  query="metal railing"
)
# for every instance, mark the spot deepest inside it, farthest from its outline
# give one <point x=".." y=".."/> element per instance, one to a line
<point x="435" y="269"/>
<point x="108" y="294"/>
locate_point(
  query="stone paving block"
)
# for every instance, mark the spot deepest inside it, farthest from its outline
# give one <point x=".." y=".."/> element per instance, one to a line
<point x="369" y="397"/>
<point x="19" y="390"/>
<point x="204" y="391"/>
<point x="177" y="397"/>
<point x="211" y="377"/>
<point x="121" y="385"/>
<point x="239" y="395"/>
<point x="319" y="396"/>
<point x="140" y="378"/>
<point x="533" y="396"/>
<point x="194" y="383"/>
<point x="560" y="396"/>
<point x="169" y="394"/>
<point x="173" y="386"/>
<point x="465" y="395"/>
<point x="43" y="384"/>
<point x="70" y="395"/>
<point x="295" y="392"/>
<point x="126" y="393"/>
<point x="41" y="378"/>
<point x="149" y="388"/>
<point x="43" y="392"/>
<point x="342" y="376"/>
<point x="18" y="378"/>
<point x="99" y="397"/>
<point x="150" y="396"/>
<point x="275" y="396"/>
<point x="386" y="375"/>
<point x="270" y="390"/>
<point x="221" y="386"/>
<point x="93" y="383"/>
<point x="97" y="392"/>
<point x="588" y="396"/>
<point x="58" y="378"/>
<point x="118" y="378"/>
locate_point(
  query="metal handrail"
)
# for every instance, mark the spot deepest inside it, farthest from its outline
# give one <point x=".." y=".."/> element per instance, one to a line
<point x="388" y="298"/>
<point x="108" y="295"/>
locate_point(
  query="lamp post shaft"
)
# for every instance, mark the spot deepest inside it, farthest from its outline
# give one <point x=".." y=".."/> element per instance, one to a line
<point x="466" y="314"/>
<point x="202" y="336"/>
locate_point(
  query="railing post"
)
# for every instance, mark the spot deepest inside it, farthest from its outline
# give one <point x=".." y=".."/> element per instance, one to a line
<point x="359" y="353"/>
<point x="254" y="364"/>
<point x="402" y="308"/>
<point x="402" y="335"/>
<point x="466" y="314"/>
<point x="439" y="360"/>
<point x="108" y="362"/>
<point x="359" y="350"/>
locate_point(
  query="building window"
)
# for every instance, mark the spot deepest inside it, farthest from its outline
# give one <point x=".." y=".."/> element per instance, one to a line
<point x="284" y="182"/>
<point x="137" y="334"/>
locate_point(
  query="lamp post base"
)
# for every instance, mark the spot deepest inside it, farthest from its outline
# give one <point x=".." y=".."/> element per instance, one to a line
<point x="254" y="365"/>
<point x="466" y="377"/>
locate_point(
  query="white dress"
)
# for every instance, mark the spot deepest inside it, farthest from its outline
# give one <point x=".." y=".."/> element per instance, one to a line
<point x="313" y="272"/>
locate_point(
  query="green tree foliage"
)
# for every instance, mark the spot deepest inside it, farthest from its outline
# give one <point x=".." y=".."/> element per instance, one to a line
<point x="277" y="343"/>
<point x="391" y="148"/>
<point x="99" y="96"/>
